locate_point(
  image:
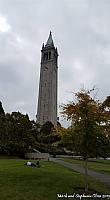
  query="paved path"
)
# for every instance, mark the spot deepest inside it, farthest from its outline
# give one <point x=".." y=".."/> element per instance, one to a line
<point x="100" y="176"/>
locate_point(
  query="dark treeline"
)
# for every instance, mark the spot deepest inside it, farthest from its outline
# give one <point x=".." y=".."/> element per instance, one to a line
<point x="89" y="131"/>
<point x="19" y="135"/>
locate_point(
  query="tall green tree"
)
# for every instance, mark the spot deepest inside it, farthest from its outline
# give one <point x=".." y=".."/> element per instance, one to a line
<point x="18" y="135"/>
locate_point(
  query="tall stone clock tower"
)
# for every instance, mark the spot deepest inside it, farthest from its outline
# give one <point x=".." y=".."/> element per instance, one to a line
<point x="47" y="100"/>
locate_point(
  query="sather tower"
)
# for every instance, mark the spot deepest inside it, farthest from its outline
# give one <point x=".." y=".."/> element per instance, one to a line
<point x="47" y="100"/>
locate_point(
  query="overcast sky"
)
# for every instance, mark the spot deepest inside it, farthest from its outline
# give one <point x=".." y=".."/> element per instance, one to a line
<point x="81" y="32"/>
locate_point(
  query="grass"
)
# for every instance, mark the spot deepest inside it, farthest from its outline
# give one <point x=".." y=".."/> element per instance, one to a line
<point x="20" y="182"/>
<point x="102" y="166"/>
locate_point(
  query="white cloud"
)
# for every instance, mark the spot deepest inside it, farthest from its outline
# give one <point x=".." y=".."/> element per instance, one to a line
<point x="4" y="26"/>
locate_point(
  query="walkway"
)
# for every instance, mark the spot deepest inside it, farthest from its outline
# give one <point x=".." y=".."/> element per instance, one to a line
<point x="105" y="178"/>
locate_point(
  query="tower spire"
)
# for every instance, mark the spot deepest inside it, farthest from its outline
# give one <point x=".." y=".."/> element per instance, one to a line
<point x="50" y="40"/>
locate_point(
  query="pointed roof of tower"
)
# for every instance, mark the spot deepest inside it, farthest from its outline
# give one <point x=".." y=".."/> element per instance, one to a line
<point x="50" y="40"/>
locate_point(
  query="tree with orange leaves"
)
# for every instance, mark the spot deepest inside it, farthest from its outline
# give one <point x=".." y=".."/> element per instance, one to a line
<point x="88" y="118"/>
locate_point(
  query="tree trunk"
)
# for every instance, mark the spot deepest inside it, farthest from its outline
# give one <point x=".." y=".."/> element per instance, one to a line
<point x="86" y="174"/>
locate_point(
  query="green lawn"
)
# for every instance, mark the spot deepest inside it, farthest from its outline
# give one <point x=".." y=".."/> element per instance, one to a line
<point x="102" y="166"/>
<point x="20" y="182"/>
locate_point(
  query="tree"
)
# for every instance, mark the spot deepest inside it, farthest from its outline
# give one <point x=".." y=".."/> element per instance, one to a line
<point x="105" y="107"/>
<point x="2" y="127"/>
<point x="87" y="120"/>
<point x="46" y="128"/>
<point x="46" y="132"/>
<point x="47" y="136"/>
<point x="66" y="136"/>
<point x="17" y="136"/>
<point x="1" y="109"/>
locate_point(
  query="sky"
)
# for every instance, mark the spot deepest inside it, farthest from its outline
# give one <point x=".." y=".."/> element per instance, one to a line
<point x="81" y="32"/>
